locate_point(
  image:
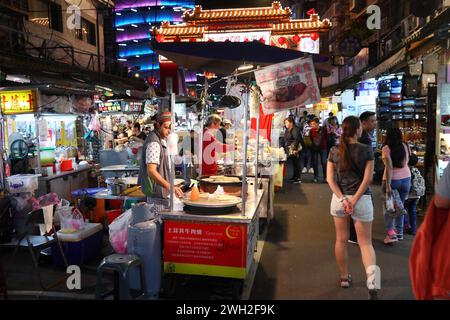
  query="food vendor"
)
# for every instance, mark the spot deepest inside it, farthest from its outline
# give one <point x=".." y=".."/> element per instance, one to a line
<point x="138" y="135"/>
<point x="154" y="173"/>
<point x="211" y="144"/>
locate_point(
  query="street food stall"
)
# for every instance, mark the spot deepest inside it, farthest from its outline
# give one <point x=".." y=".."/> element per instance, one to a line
<point x="41" y="134"/>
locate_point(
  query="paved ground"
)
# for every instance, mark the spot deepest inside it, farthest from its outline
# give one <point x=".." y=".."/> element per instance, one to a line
<point x="298" y="259"/>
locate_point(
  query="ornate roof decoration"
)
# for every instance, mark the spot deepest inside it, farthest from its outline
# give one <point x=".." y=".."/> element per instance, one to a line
<point x="275" y="19"/>
<point x="275" y="12"/>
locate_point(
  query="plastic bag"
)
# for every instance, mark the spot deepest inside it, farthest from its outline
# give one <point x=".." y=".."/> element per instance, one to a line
<point x="389" y="204"/>
<point x="70" y="221"/>
<point x="118" y="232"/>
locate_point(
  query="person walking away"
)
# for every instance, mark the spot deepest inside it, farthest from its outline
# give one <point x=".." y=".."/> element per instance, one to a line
<point x="306" y="153"/>
<point x="397" y="176"/>
<point x="211" y="145"/>
<point x="417" y="191"/>
<point x="154" y="173"/>
<point x="292" y="144"/>
<point x="352" y="165"/>
<point x="319" y="148"/>
<point x="369" y="123"/>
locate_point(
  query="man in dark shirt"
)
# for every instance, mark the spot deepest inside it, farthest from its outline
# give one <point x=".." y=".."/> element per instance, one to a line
<point x="138" y="135"/>
<point x="369" y="123"/>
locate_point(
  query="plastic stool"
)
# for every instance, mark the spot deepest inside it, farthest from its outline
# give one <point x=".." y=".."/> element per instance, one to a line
<point x="121" y="265"/>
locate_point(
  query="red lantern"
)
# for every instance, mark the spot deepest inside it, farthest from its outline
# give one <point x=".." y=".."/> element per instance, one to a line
<point x="192" y="40"/>
<point x="281" y="40"/>
<point x="296" y="38"/>
<point x="160" y="38"/>
<point x="210" y="40"/>
<point x="262" y="40"/>
<point x="177" y="39"/>
<point x="315" y="36"/>
<point x="228" y="40"/>
<point x="246" y="40"/>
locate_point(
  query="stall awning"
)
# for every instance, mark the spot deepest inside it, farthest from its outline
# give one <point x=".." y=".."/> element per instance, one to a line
<point x="225" y="57"/>
<point x="387" y="64"/>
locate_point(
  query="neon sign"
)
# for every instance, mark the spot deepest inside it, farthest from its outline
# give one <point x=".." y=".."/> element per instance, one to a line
<point x="13" y="102"/>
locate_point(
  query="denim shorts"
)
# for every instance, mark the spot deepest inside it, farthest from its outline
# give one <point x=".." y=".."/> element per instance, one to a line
<point x="363" y="211"/>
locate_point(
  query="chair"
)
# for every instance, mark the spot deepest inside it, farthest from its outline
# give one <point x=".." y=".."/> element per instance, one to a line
<point x="35" y="243"/>
<point x="121" y="265"/>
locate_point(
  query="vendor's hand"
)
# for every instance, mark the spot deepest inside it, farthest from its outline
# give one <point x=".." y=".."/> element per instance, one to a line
<point x="178" y="192"/>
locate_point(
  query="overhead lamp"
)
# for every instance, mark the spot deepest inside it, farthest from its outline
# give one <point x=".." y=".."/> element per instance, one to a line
<point x="17" y="78"/>
<point x="118" y="14"/>
<point x="135" y="40"/>
<point x="245" y="67"/>
<point x="120" y="29"/>
<point x="134" y="25"/>
<point x="122" y="44"/>
<point x="136" y="75"/>
<point x="162" y="7"/>
<point x="134" y="10"/>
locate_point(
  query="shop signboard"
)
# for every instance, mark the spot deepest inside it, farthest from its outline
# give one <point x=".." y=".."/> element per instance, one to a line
<point x="238" y="36"/>
<point x="203" y="248"/>
<point x="16" y="102"/>
<point x="109" y="106"/>
<point x="288" y="85"/>
<point x="132" y="106"/>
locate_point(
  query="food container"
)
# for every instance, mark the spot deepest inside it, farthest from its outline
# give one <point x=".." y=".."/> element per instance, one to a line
<point x="47" y="156"/>
<point x="115" y="186"/>
<point x="228" y="187"/>
<point x="66" y="165"/>
<point x="22" y="183"/>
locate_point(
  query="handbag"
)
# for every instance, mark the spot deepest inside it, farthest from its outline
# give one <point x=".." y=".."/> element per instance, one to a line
<point x="293" y="152"/>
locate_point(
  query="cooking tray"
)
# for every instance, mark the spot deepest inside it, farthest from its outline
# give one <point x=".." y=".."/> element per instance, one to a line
<point x="228" y="187"/>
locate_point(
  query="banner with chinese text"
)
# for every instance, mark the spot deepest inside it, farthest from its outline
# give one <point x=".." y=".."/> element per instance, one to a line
<point x="288" y="85"/>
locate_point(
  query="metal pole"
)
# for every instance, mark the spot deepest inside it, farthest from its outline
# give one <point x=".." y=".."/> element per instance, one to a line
<point x="257" y="150"/>
<point x="172" y="158"/>
<point x="2" y="172"/>
<point x="245" y="138"/>
<point x="202" y="117"/>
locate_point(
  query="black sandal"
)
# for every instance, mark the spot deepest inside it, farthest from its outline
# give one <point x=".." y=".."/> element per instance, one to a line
<point x="346" y="282"/>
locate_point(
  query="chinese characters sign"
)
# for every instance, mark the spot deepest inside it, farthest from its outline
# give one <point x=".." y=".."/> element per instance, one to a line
<point x="288" y="85"/>
<point x="238" y="36"/>
<point x="205" y="248"/>
<point x="13" y="102"/>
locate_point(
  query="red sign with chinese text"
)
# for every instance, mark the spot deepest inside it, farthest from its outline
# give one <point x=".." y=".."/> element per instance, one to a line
<point x="205" y="243"/>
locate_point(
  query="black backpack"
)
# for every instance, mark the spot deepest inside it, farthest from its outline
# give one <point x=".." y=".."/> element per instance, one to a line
<point x="6" y="220"/>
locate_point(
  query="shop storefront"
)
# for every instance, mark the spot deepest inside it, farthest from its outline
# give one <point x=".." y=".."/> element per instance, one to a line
<point x="41" y="135"/>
